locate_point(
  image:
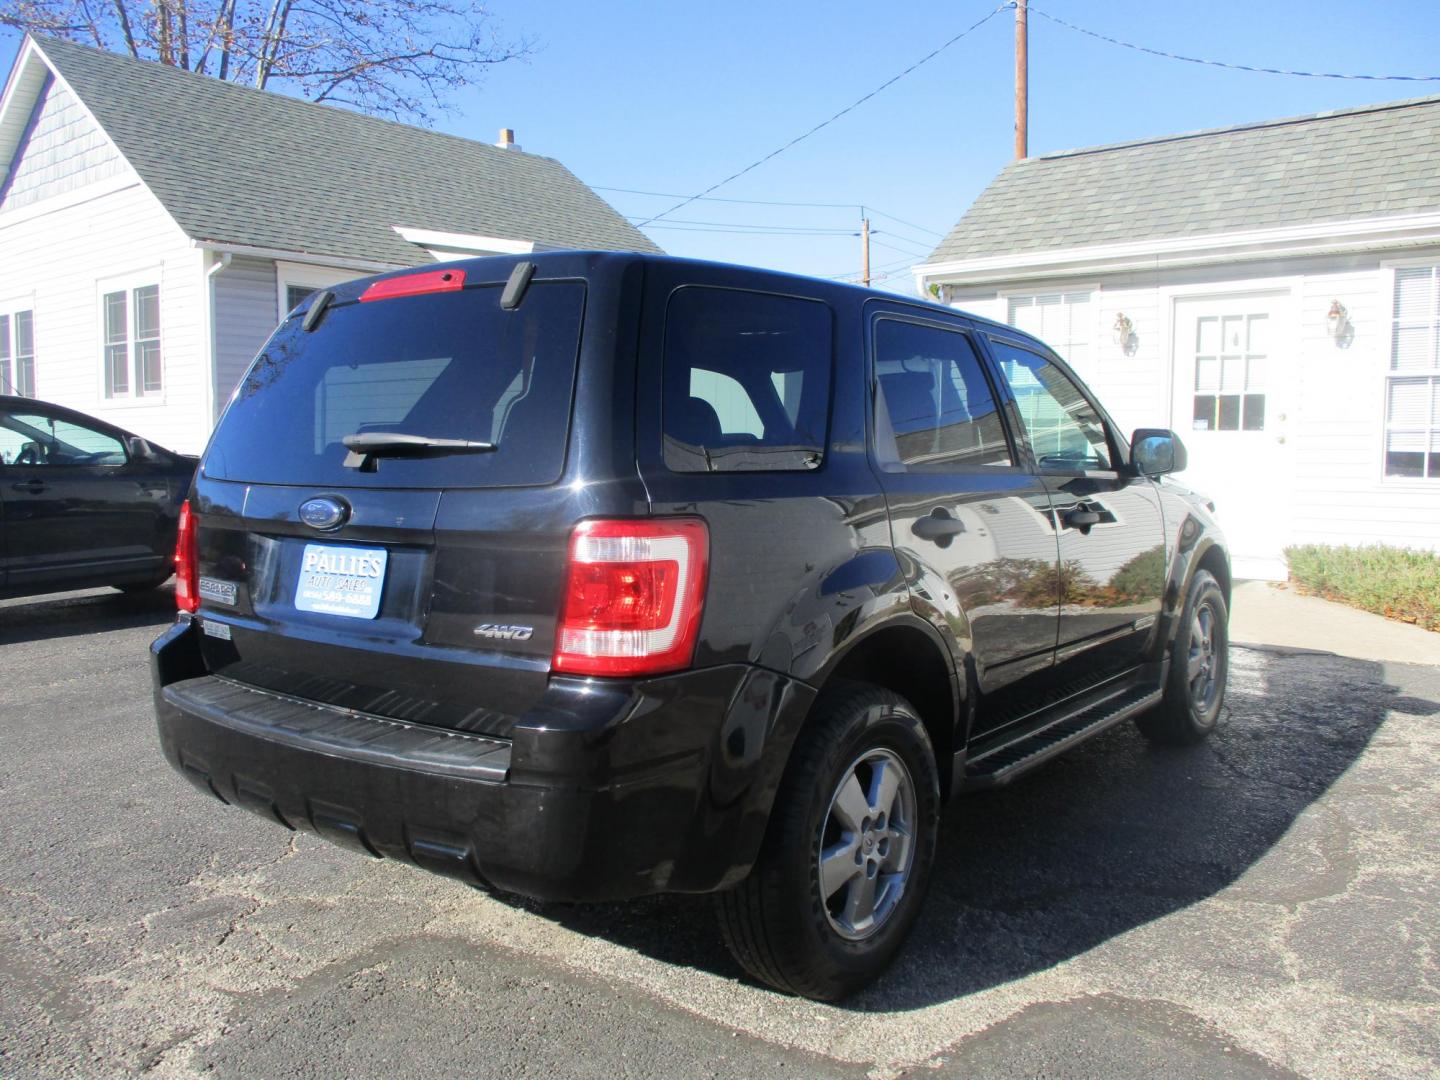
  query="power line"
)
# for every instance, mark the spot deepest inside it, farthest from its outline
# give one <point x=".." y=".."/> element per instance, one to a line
<point x="901" y="251"/>
<point x="826" y="123"/>
<point x="902" y="221"/>
<point x="755" y="232"/>
<point x="743" y="226"/>
<point x="1221" y="63"/>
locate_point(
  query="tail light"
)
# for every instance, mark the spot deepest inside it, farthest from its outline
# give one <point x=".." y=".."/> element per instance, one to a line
<point x="187" y="584"/>
<point x="633" y="595"/>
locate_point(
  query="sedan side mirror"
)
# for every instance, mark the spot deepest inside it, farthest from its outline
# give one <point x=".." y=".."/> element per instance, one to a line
<point x="1156" y="451"/>
<point x="139" y="449"/>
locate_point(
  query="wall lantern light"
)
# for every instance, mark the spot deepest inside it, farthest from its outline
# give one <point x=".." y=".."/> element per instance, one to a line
<point x="1123" y="332"/>
<point x="1337" y="321"/>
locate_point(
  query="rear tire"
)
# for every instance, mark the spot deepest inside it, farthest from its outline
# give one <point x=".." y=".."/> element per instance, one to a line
<point x="847" y="856"/>
<point x="145" y="586"/>
<point x="1199" y="665"/>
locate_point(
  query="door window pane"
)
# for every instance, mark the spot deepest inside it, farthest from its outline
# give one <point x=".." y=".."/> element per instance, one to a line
<point x="937" y="401"/>
<point x="1230" y="356"/>
<point x="7" y="386"/>
<point x="1064" y="429"/>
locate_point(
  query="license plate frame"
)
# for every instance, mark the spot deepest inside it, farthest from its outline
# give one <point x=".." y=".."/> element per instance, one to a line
<point x="341" y="579"/>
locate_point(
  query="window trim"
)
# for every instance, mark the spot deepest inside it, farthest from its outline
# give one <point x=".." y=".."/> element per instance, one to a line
<point x="1001" y="397"/>
<point x="128" y="283"/>
<point x="306" y="276"/>
<point x="10" y="308"/>
<point x="1387" y="293"/>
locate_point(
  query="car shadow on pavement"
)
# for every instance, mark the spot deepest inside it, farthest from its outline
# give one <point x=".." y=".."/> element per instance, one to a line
<point x="1113" y="836"/>
<point x="75" y="614"/>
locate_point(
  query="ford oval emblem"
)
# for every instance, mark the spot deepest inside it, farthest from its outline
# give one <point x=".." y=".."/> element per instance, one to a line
<point x="324" y="512"/>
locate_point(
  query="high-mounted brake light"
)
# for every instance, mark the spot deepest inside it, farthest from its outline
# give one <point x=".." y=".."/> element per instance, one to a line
<point x="187" y="584"/>
<point x="430" y="281"/>
<point x="634" y="591"/>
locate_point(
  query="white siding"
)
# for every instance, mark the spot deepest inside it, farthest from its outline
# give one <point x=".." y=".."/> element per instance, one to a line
<point x="54" y="254"/>
<point x="247" y="308"/>
<point x="1340" y="495"/>
<point x="63" y="149"/>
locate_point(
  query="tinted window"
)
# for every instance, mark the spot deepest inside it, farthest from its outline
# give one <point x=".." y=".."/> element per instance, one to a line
<point x="36" y="439"/>
<point x="447" y="365"/>
<point x="936" y="399"/>
<point x="1064" y="429"/>
<point x="746" y="381"/>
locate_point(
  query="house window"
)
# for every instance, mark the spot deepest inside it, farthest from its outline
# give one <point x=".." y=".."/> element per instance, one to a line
<point x="295" y="295"/>
<point x="1230" y="355"/>
<point x="1061" y="320"/>
<point x="132" y="342"/>
<point x="17" y="353"/>
<point x="1412" y="385"/>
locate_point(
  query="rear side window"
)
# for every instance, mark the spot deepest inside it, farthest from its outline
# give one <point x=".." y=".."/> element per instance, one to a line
<point x="746" y="381"/>
<point x="444" y="365"/>
<point x="937" y="401"/>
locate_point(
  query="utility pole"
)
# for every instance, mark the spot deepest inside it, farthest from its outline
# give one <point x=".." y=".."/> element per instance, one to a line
<point x="1022" y="78"/>
<point x="865" y="250"/>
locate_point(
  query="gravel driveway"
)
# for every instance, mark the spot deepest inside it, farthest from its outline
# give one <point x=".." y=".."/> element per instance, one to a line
<point x="1267" y="904"/>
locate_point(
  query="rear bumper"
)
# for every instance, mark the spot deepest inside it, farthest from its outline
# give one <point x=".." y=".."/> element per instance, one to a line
<point x="607" y="789"/>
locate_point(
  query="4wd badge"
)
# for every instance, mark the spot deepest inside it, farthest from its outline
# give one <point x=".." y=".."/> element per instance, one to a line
<point x="504" y="633"/>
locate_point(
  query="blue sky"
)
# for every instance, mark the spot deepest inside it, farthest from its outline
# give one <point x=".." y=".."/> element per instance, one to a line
<point x="674" y="97"/>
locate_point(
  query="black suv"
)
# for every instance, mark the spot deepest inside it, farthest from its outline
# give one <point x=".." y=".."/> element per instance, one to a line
<point x="591" y="575"/>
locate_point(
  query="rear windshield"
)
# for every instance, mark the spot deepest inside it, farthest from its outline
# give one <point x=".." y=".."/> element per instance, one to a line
<point x="442" y="366"/>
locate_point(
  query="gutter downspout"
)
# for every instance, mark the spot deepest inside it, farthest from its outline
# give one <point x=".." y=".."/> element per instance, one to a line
<point x="223" y="259"/>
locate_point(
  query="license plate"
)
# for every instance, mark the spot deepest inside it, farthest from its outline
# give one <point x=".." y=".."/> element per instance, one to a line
<point x="341" y="580"/>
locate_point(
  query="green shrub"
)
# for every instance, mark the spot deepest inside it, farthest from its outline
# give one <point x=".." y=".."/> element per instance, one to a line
<point x="1398" y="583"/>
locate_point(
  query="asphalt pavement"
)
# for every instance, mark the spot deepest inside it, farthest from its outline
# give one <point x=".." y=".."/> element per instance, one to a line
<point x="1266" y="904"/>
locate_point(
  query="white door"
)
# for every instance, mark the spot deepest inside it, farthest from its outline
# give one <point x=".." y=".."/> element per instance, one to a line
<point x="1233" y="399"/>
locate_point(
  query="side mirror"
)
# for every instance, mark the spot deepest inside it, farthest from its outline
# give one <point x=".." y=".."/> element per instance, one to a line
<point x="139" y="449"/>
<point x="1156" y="451"/>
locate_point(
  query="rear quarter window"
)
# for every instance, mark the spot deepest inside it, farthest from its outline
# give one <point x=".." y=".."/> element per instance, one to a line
<point x="746" y="380"/>
<point x="445" y="365"/>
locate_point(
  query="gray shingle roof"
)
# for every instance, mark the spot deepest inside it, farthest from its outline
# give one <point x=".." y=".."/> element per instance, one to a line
<point x="1373" y="161"/>
<point x="241" y="166"/>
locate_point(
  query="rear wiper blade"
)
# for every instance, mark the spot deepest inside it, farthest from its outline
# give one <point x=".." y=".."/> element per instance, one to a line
<point x="368" y="447"/>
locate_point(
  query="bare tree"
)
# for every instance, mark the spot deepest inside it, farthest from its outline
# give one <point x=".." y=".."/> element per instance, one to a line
<point x="396" y="58"/>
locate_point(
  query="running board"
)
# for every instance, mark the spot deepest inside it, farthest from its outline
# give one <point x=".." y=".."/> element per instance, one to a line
<point x="1003" y="764"/>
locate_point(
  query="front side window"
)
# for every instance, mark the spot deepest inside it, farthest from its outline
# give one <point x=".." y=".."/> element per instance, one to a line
<point x="1230" y="356"/>
<point x="937" y="402"/>
<point x="17" y="353"/>
<point x="1412" y="390"/>
<point x="1064" y="429"/>
<point x="746" y="381"/>
<point x="132" y="342"/>
<point x="37" y="439"/>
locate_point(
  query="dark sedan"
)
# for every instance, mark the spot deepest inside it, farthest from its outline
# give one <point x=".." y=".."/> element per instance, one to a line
<point x="83" y="503"/>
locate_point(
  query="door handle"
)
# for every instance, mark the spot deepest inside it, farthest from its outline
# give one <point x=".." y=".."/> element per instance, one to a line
<point x="32" y="487"/>
<point x="938" y="526"/>
<point x="1080" y="518"/>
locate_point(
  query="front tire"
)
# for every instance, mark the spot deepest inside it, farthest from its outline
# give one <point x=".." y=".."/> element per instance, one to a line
<point x="847" y="857"/>
<point x="1199" y="666"/>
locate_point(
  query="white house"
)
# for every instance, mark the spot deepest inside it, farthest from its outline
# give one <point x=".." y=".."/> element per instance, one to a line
<point x="155" y="225"/>
<point x="1271" y="291"/>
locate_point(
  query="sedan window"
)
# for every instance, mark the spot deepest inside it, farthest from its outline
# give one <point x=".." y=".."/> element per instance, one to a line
<point x="34" y="439"/>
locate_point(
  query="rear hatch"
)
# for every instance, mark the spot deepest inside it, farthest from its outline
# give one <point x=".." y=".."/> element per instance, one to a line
<point x="415" y="573"/>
